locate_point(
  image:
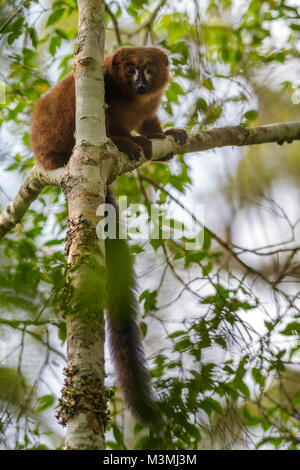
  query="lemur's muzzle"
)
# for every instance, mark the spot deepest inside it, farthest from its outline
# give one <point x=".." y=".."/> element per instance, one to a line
<point x="142" y="86"/>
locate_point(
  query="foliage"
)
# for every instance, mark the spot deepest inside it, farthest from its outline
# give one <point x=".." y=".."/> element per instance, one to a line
<point x="223" y="334"/>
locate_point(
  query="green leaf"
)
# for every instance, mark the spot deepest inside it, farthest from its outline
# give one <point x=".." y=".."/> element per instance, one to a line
<point x="174" y="91"/>
<point x="209" y="405"/>
<point x="243" y="388"/>
<point x="183" y="344"/>
<point x="221" y="341"/>
<point x="55" y="43"/>
<point x="138" y="3"/>
<point x="207" y="83"/>
<point x="207" y="269"/>
<point x="251" y="115"/>
<point x="62" y="332"/>
<point x="291" y="329"/>
<point x="177" y="333"/>
<point x="118" y="436"/>
<point x="296" y="399"/>
<point x="55" y="242"/>
<point x="25" y="139"/>
<point x="201" y="104"/>
<point x="132" y="12"/>
<point x="33" y="36"/>
<point x="46" y="401"/>
<point x="295" y="26"/>
<point x="13" y="36"/>
<point x="61" y="33"/>
<point x="144" y="328"/>
<point x="258" y="376"/>
<point x="150" y="300"/>
<point x="157" y="243"/>
<point x="55" y="16"/>
<point x="250" y="419"/>
<point x="112" y="445"/>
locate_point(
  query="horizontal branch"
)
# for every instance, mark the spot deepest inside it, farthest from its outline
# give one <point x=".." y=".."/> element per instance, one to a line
<point x="31" y="188"/>
<point x="240" y="135"/>
<point x="219" y="137"/>
<point x="37" y="178"/>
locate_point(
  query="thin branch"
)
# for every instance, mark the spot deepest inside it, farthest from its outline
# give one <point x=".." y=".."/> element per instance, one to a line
<point x="37" y="179"/>
<point x="239" y="136"/>
<point x="33" y="185"/>
<point x="115" y="23"/>
<point x="213" y="235"/>
<point x="12" y="15"/>
<point x="228" y="136"/>
<point x="150" y="21"/>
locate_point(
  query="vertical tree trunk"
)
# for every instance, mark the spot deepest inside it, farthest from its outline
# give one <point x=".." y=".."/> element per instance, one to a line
<point x="84" y="399"/>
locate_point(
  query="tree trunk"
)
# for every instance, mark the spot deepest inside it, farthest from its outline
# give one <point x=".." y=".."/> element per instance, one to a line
<point x="84" y="399"/>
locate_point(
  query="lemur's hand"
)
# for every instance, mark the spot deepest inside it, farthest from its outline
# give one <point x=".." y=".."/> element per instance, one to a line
<point x="180" y="135"/>
<point x="156" y="135"/>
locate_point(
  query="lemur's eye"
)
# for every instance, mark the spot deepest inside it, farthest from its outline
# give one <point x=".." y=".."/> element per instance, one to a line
<point x="130" y="70"/>
<point x="151" y="69"/>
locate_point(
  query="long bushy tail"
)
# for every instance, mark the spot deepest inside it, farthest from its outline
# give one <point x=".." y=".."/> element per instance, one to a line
<point x="125" y="340"/>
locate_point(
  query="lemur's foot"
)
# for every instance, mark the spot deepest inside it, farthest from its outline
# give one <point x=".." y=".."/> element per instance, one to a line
<point x="125" y="145"/>
<point x="145" y="144"/>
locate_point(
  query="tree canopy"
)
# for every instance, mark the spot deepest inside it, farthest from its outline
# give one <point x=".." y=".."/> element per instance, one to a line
<point x="220" y="322"/>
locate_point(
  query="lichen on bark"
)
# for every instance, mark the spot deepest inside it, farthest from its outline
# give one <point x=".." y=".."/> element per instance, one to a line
<point x="88" y="393"/>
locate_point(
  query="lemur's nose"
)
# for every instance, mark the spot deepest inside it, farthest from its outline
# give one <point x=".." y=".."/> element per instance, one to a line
<point x="142" y="88"/>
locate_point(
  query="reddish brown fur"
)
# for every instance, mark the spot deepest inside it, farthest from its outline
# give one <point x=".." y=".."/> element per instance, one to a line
<point x="53" y="125"/>
<point x="53" y="120"/>
<point x="52" y="137"/>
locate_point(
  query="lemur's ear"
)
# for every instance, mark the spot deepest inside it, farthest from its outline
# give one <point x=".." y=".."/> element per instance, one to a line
<point x="166" y="56"/>
<point x="167" y="60"/>
<point x="115" y="59"/>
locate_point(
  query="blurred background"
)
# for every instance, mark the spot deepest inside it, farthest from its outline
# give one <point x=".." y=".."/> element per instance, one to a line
<point x="221" y="323"/>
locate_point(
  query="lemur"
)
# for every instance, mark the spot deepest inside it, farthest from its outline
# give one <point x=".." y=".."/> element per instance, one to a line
<point x="135" y="79"/>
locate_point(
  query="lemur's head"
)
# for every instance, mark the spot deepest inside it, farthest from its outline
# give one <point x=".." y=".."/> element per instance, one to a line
<point x="140" y="70"/>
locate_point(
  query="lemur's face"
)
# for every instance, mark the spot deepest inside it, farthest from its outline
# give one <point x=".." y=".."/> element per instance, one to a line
<point x="140" y="77"/>
<point x="140" y="70"/>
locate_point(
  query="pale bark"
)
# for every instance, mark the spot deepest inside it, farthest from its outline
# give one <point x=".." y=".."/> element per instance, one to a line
<point x="30" y="190"/>
<point x="84" y="399"/>
<point x="114" y="163"/>
<point x="94" y="164"/>
<point x="88" y="69"/>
